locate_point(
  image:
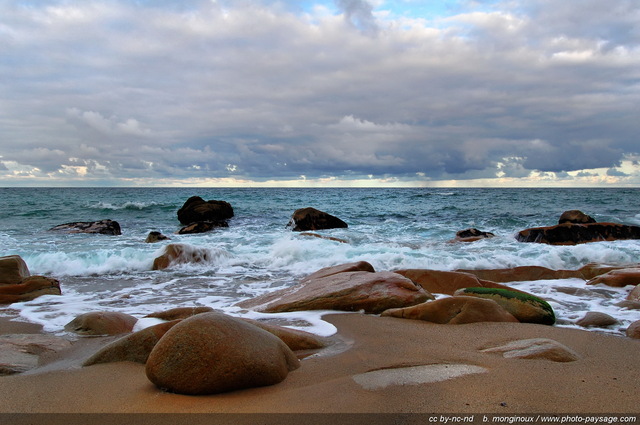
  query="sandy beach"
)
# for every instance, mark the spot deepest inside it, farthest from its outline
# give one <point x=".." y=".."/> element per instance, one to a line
<point x="603" y="381"/>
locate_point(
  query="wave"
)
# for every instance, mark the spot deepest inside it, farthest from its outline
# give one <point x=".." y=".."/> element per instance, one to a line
<point x="129" y="205"/>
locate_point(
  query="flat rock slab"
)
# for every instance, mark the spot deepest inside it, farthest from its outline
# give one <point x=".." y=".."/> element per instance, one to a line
<point x="414" y="375"/>
<point x="21" y="352"/>
<point x="535" y="348"/>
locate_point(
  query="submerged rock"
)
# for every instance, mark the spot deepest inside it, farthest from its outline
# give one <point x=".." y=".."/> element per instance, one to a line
<point x="213" y="353"/>
<point x="524" y="307"/>
<point x="197" y="209"/>
<point x="572" y="234"/>
<point x="103" y="227"/>
<point x="455" y="310"/>
<point x="309" y="218"/>
<point x="535" y="348"/>
<point x="101" y="323"/>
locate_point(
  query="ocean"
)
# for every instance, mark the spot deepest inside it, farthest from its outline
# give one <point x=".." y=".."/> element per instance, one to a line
<point x="390" y="228"/>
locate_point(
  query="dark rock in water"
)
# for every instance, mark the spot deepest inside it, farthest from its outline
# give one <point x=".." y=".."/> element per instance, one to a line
<point x="197" y="209"/>
<point x="572" y="234"/>
<point x="102" y="323"/>
<point x="213" y="353"/>
<point x="12" y="269"/>
<point x="103" y="227"/>
<point x="28" y="289"/>
<point x="178" y="253"/>
<point x="154" y="237"/>
<point x="472" y="235"/>
<point x="201" y="227"/>
<point x="309" y="218"/>
<point x="576" y="217"/>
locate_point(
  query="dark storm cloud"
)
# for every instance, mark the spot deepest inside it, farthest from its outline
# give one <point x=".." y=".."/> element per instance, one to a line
<point x="265" y="90"/>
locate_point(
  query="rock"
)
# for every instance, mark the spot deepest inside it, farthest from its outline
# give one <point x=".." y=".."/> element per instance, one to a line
<point x="154" y="237"/>
<point x="101" y="323"/>
<point x="12" y="270"/>
<point x="348" y="291"/>
<point x="575" y="216"/>
<point x="197" y="209"/>
<point x="526" y="308"/>
<point x="634" y="295"/>
<point x="629" y="304"/>
<point x="104" y="227"/>
<point x="178" y="253"/>
<point x="618" y="278"/>
<point x="472" y="235"/>
<point x="309" y="218"/>
<point x="296" y="340"/>
<point x="591" y="270"/>
<point x="329" y="238"/>
<point x="179" y="313"/>
<point x="358" y="266"/>
<point x="572" y="234"/>
<point x="28" y="289"/>
<point x="132" y="348"/>
<point x="454" y="311"/>
<point x="443" y="282"/>
<point x="522" y="273"/>
<point x="21" y="352"/>
<point x="201" y="227"/>
<point x="633" y="331"/>
<point x="213" y="353"/>
<point x="595" y="319"/>
<point x="536" y="348"/>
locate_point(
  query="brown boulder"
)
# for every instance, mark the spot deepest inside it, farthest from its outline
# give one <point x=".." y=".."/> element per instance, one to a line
<point x="154" y="237"/>
<point x="633" y="331"/>
<point x="179" y="313"/>
<point x="522" y="273"/>
<point x="178" y="253"/>
<point x="443" y="282"/>
<point x="309" y="218"/>
<point x="634" y="295"/>
<point x="572" y="234"/>
<point x="103" y="227"/>
<point x="28" y="289"/>
<point x="472" y="235"/>
<point x="12" y="270"/>
<point x="348" y="291"/>
<point x="454" y="311"/>
<point x="358" y="266"/>
<point x="591" y="270"/>
<point x="295" y="339"/>
<point x="596" y="319"/>
<point x="131" y="348"/>
<point x="575" y="216"/>
<point x="213" y="353"/>
<point x="101" y="323"/>
<point x="618" y="278"/>
<point x="197" y="209"/>
<point x="201" y="227"/>
<point x="536" y="348"/>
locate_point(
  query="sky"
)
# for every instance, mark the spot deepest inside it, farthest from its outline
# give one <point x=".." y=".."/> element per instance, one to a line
<point x="454" y="93"/>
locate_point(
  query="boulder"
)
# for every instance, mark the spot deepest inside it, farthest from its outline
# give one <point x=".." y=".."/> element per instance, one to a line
<point x="454" y="311"/>
<point x="575" y="216"/>
<point x="197" y="209"/>
<point x="634" y="295"/>
<point x="443" y="282"/>
<point x="179" y="313"/>
<point x="201" y="227"/>
<point x="572" y="234"/>
<point x="629" y="304"/>
<point x="21" y="352"/>
<point x="526" y="308"/>
<point x="472" y="235"/>
<point x="132" y="348"/>
<point x="309" y="218"/>
<point x="12" y="270"/>
<point x="103" y="227"/>
<point x="295" y="339"/>
<point x="213" y="353"/>
<point x="535" y="348"/>
<point x="178" y="253"/>
<point x="633" y="331"/>
<point x="358" y="266"/>
<point x="618" y="278"/>
<point x="522" y="273"/>
<point x="348" y="291"/>
<point x="28" y="289"/>
<point x="101" y="323"/>
<point x="591" y="270"/>
<point x="596" y="319"/>
<point x="154" y="237"/>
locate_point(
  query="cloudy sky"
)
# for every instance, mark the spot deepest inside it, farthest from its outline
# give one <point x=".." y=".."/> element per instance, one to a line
<point x="320" y="93"/>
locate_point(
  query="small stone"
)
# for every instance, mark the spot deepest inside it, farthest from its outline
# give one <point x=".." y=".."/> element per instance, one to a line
<point x="596" y="319"/>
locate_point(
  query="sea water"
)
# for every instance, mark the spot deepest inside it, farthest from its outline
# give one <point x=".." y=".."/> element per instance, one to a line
<point x="390" y="228"/>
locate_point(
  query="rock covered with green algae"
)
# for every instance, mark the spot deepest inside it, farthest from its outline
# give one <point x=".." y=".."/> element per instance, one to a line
<point x="524" y="307"/>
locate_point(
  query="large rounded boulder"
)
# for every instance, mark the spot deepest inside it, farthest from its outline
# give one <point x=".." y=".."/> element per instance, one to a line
<point x="197" y="209"/>
<point x="309" y="218"/>
<point x="213" y="353"/>
<point x="101" y="323"/>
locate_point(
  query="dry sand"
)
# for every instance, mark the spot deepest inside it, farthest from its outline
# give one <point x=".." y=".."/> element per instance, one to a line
<point x="606" y="380"/>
